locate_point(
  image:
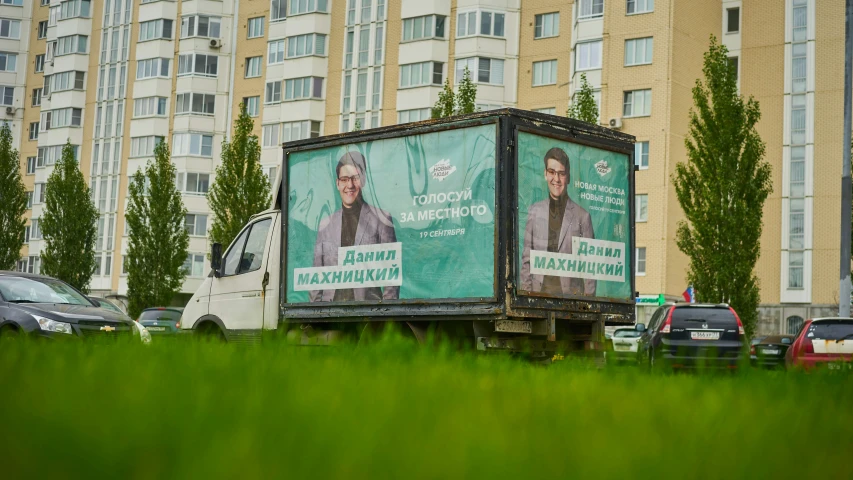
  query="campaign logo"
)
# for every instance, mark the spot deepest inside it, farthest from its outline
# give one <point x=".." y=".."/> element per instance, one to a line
<point x="602" y="168"/>
<point x="441" y="170"/>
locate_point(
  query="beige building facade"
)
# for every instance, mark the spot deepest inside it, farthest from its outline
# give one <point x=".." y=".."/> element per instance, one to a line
<point x="115" y="77"/>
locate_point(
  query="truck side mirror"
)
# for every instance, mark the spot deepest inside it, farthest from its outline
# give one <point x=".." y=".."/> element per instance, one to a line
<point x="216" y="259"/>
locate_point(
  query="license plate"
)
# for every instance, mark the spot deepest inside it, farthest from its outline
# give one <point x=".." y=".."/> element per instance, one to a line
<point x="156" y="329"/>
<point x="771" y="351"/>
<point x="705" y="335"/>
<point x="514" y="326"/>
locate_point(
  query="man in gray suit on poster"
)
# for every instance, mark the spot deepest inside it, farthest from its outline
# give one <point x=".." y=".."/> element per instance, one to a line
<point x="356" y="223"/>
<point x="551" y="224"/>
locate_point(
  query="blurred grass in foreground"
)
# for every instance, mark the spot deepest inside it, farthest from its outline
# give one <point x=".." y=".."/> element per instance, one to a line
<point x="182" y="410"/>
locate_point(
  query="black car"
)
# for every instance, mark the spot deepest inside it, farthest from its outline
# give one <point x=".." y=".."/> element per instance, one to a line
<point x="162" y="320"/>
<point x="770" y="351"/>
<point x="45" y="307"/>
<point x="690" y="335"/>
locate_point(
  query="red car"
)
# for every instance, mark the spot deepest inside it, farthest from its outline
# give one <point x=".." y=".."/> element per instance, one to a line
<point x="823" y="341"/>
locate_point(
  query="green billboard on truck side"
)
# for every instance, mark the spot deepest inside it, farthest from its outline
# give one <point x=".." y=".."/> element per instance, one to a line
<point x="411" y="217"/>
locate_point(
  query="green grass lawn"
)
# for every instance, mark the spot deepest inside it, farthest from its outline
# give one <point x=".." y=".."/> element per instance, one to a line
<point x="182" y="410"/>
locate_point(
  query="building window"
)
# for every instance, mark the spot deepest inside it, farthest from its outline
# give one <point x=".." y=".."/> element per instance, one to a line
<point x="253" y="67"/>
<point x="483" y="70"/>
<point x="418" y="74"/>
<point x="732" y="20"/>
<point x="547" y="111"/>
<point x="547" y="25"/>
<point x="192" y="144"/>
<point x="363" y="45"/>
<point x="275" y="52"/>
<point x="303" y="88"/>
<point x="152" y="68"/>
<point x="196" y="224"/>
<point x="639" y="6"/>
<point x="298" y="7"/>
<point x="255" y="28"/>
<point x="198" y="64"/>
<point x="637" y="103"/>
<point x="545" y="73"/>
<point x="195" y="103"/>
<point x="278" y="10"/>
<point x="638" y="51"/>
<point x="794" y="324"/>
<point x="194" y="265"/>
<point x="253" y="105"/>
<point x="149" y="107"/>
<point x="63" y="117"/>
<point x="799" y="67"/>
<point x="65" y="81"/>
<point x="641" y="155"/>
<point x="490" y="24"/>
<point x="194" y="183"/>
<point x="8" y="62"/>
<point x="273" y="92"/>
<point x="588" y="55"/>
<point x="38" y="194"/>
<point x="415" y="115"/>
<point x="800" y="20"/>
<point x="419" y="28"/>
<point x="641" y="261"/>
<point x="733" y="65"/>
<point x="590" y="8"/>
<point x="10" y="28"/>
<point x="795" y="270"/>
<point x="144" y="146"/>
<point x="642" y="205"/>
<point x="200" y="26"/>
<point x="39" y="63"/>
<point x="31" y="165"/>
<point x="42" y="30"/>
<point x="75" y="8"/>
<point x="798" y="119"/>
<point x="15" y="3"/>
<point x="798" y="172"/>
<point x="299" y="130"/>
<point x="72" y="44"/>
<point x="36" y="97"/>
<point x="8" y="96"/>
<point x="155" y="30"/>
<point x="34" y="130"/>
<point x="305" y="45"/>
<point x="269" y="134"/>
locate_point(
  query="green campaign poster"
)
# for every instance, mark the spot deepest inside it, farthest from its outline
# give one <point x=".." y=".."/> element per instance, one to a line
<point x="393" y="219"/>
<point x="573" y="219"/>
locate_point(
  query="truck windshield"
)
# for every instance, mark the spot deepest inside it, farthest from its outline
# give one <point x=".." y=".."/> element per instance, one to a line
<point x="39" y="290"/>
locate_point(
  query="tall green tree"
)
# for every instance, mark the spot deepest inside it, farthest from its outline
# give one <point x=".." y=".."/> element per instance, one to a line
<point x="68" y="225"/>
<point x="460" y="103"/>
<point x="722" y="188"/>
<point x="157" y="239"/>
<point x="583" y="106"/>
<point x="240" y="189"/>
<point x="13" y="202"/>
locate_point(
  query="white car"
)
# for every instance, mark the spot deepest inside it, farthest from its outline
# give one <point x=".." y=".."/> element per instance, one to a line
<point x="624" y="345"/>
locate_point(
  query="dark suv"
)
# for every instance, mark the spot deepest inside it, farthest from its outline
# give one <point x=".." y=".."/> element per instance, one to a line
<point x="690" y="335"/>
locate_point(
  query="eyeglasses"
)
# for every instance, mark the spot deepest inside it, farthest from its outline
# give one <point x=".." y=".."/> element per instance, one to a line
<point x="553" y="173"/>
<point x="351" y="179"/>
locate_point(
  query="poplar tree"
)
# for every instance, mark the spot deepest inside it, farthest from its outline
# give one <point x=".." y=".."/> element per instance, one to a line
<point x="460" y="103"/>
<point x="240" y="189"/>
<point x="158" y="242"/>
<point x="583" y="106"/>
<point x="446" y="102"/>
<point x="722" y="188"/>
<point x="68" y="225"/>
<point x="13" y="202"/>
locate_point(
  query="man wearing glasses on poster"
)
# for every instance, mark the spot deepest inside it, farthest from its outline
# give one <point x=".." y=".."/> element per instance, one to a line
<point x="356" y="223"/>
<point x="551" y="224"/>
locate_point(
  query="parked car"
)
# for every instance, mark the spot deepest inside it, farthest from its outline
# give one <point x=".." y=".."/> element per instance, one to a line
<point x="104" y="303"/>
<point x="769" y="351"/>
<point x="624" y="345"/>
<point x="45" y="307"/>
<point x="691" y="335"/>
<point x="822" y="342"/>
<point x="162" y="320"/>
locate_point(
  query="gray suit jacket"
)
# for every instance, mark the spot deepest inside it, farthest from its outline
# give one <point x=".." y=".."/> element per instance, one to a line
<point x="374" y="226"/>
<point x="576" y="223"/>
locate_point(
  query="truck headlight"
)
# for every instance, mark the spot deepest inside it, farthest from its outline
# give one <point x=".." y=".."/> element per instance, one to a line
<point x="143" y="333"/>
<point x="49" y="325"/>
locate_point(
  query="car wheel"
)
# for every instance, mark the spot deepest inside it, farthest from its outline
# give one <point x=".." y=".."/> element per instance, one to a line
<point x="9" y="333"/>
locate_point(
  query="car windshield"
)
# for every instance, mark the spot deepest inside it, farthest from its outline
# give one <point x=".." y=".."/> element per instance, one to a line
<point x="169" y="315"/>
<point x="39" y="290"/>
<point x="626" y="334"/>
<point x="831" y="330"/>
<point x="109" y="306"/>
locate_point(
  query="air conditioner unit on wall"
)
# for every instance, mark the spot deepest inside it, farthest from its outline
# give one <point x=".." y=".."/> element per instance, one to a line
<point x="215" y="43"/>
<point x="10" y="110"/>
<point x="615" y="123"/>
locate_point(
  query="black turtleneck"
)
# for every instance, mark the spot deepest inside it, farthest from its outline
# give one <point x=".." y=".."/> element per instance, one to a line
<point x="556" y="211"/>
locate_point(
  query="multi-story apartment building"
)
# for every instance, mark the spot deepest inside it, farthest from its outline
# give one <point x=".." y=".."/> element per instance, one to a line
<point x="116" y="77"/>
